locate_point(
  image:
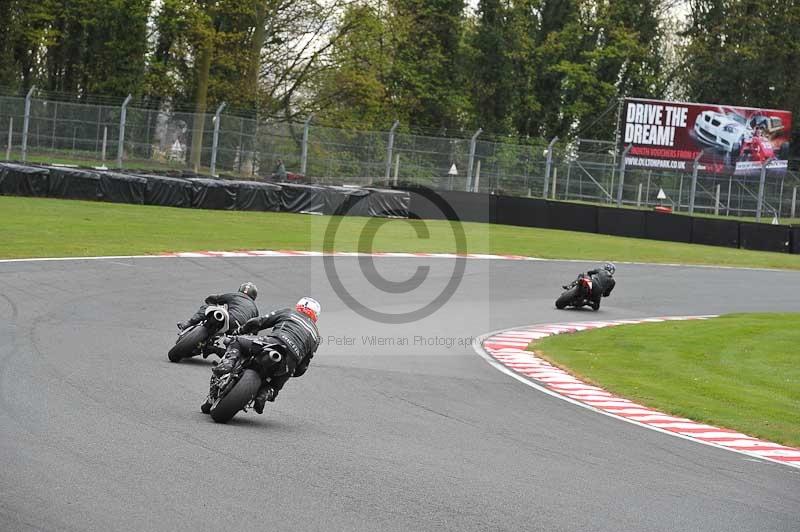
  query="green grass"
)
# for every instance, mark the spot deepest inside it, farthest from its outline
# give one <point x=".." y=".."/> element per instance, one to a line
<point x="41" y="227"/>
<point x="740" y="371"/>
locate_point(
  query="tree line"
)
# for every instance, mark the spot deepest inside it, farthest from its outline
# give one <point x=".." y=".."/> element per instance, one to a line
<point x="516" y="68"/>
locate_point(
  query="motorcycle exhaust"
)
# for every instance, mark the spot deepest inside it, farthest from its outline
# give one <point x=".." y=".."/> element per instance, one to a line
<point x="219" y="316"/>
<point x="275" y="356"/>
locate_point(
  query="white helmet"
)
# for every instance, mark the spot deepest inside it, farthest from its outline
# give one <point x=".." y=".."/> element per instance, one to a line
<point x="310" y="307"/>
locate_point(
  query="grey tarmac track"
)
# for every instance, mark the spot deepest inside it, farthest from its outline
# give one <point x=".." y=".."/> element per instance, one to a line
<point x="99" y="432"/>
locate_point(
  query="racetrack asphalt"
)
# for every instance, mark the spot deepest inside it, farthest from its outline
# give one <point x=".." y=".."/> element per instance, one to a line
<point x="99" y="432"/>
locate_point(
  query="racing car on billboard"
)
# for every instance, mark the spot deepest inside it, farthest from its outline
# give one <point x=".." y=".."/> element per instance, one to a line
<point x="772" y="126"/>
<point x="726" y="132"/>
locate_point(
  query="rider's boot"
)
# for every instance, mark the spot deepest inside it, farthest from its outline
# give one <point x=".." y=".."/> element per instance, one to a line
<point x="265" y="393"/>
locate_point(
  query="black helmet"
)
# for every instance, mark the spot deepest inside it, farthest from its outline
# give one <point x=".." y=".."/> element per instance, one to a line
<point x="249" y="289"/>
<point x="610" y="268"/>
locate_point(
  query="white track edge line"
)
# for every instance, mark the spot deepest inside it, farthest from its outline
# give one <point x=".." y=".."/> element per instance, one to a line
<point x="477" y="345"/>
<point x="386" y="254"/>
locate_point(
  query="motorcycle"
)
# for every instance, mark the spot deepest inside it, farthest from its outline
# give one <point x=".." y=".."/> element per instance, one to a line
<point x="235" y="390"/>
<point x="577" y="294"/>
<point x="204" y="338"/>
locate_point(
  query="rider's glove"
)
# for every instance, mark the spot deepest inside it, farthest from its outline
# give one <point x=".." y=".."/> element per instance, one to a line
<point x="182" y="325"/>
<point x="249" y="326"/>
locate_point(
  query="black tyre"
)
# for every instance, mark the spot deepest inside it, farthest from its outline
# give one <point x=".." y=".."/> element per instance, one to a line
<point x="566" y="298"/>
<point x="188" y="344"/>
<point x="235" y="400"/>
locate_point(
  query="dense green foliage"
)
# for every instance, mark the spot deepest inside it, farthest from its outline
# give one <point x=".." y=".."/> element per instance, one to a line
<point x="518" y="68"/>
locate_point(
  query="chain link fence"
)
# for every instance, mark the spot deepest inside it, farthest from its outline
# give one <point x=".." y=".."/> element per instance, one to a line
<point x="50" y="131"/>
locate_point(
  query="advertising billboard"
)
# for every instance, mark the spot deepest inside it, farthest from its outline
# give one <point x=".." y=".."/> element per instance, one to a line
<point x="727" y="139"/>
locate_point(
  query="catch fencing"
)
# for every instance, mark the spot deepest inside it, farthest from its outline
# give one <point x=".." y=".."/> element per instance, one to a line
<point x="127" y="136"/>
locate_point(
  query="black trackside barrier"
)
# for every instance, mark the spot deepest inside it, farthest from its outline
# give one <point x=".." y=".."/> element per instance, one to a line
<point x="411" y="202"/>
<point x="421" y="206"/>
<point x="572" y="216"/>
<point x="464" y="206"/>
<point x="523" y="212"/>
<point x="375" y="203"/>
<point x="763" y="237"/>
<point x="621" y="222"/>
<point x="257" y="196"/>
<point x="715" y="232"/>
<point x="168" y="191"/>
<point x="336" y="199"/>
<point x="670" y="227"/>
<point x="305" y="198"/>
<point x="794" y="242"/>
<point x="354" y="202"/>
<point x="213" y="194"/>
<point x="122" y="188"/>
<point x="19" y="180"/>
<point x="385" y="203"/>
<point x="74" y="184"/>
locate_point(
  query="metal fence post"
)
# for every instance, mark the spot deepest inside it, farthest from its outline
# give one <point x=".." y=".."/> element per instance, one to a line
<point x="478" y="176"/>
<point x="716" y="202"/>
<point x="389" y="149"/>
<point x="396" y="167"/>
<point x="11" y="135"/>
<point x="794" y="200"/>
<point x="548" y="163"/>
<point x="215" y="139"/>
<point x="304" y="148"/>
<point x="728" y="203"/>
<point x="105" y="139"/>
<point x="622" y="174"/>
<point x="25" y="123"/>
<point x="472" y="157"/>
<point x="761" y="182"/>
<point x="694" y="181"/>
<point x="122" y="117"/>
<point x="639" y="196"/>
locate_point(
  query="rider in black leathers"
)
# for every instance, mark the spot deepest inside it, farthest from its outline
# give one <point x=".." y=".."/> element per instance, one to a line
<point x="241" y="306"/>
<point x="294" y="334"/>
<point x="602" y="283"/>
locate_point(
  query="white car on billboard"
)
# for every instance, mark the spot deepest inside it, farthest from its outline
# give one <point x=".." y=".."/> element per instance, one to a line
<point x="725" y="132"/>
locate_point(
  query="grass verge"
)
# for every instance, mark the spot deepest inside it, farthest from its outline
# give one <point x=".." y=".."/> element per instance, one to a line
<point x="738" y="371"/>
<point x="43" y="227"/>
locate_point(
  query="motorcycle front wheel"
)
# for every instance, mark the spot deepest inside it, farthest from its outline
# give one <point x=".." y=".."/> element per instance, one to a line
<point x="187" y="344"/>
<point x="238" y="398"/>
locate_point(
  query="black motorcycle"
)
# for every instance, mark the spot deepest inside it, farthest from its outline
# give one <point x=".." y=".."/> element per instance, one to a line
<point x="577" y="294"/>
<point x="204" y="338"/>
<point x="235" y="391"/>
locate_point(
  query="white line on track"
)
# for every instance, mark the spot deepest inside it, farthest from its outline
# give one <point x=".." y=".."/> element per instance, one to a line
<point x="404" y="255"/>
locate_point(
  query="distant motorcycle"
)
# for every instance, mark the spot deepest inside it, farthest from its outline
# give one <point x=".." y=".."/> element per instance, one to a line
<point x="235" y="391"/>
<point x="577" y="294"/>
<point x="204" y="338"/>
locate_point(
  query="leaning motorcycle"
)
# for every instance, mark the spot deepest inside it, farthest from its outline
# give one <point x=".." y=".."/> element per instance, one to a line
<point x="203" y="338"/>
<point x="577" y="294"/>
<point x="235" y="390"/>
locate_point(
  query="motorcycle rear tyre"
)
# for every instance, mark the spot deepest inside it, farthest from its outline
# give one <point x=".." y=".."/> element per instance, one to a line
<point x="186" y="344"/>
<point x="235" y="400"/>
<point x="566" y="298"/>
